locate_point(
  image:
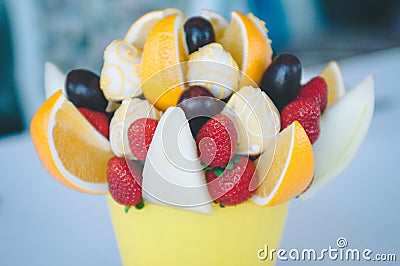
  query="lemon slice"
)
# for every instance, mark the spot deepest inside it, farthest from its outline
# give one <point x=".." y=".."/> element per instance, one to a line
<point x="292" y="167"/>
<point x="164" y="49"/>
<point x="140" y="29"/>
<point x="69" y="147"/>
<point x="247" y="41"/>
<point x="334" y="79"/>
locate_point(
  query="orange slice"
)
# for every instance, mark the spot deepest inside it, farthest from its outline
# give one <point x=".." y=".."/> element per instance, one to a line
<point x="69" y="147"/>
<point x="334" y="79"/>
<point x="140" y="29"/>
<point x="247" y="41"/>
<point x="291" y="171"/>
<point x="164" y="49"/>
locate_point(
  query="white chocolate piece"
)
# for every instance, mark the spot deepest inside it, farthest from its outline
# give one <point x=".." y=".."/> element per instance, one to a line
<point x="214" y="68"/>
<point x="120" y="76"/>
<point x="130" y="110"/>
<point x="256" y="119"/>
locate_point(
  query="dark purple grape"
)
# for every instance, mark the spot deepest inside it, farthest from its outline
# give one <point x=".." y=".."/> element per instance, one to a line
<point x="199" y="32"/>
<point x="199" y="105"/>
<point x="83" y="90"/>
<point x="281" y="80"/>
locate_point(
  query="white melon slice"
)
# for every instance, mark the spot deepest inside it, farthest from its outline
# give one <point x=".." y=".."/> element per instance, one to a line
<point x="172" y="173"/>
<point x="54" y="79"/>
<point x="343" y="128"/>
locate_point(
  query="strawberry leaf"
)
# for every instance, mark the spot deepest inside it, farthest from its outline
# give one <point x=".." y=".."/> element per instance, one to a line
<point x="127" y="208"/>
<point x="207" y="167"/>
<point x="236" y="159"/>
<point x="219" y="171"/>
<point x="229" y="166"/>
<point x="140" y="205"/>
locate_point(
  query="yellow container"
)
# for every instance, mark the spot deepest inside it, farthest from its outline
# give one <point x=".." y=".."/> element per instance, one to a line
<point x="160" y="235"/>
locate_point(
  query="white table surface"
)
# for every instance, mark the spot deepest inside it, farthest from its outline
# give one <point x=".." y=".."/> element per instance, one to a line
<point x="44" y="223"/>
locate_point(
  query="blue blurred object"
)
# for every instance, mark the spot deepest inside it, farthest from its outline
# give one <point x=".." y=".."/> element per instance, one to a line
<point x="272" y="12"/>
<point x="10" y="115"/>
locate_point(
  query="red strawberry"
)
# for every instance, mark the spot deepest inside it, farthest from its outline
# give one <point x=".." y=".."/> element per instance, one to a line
<point x="216" y="141"/>
<point x="98" y="120"/>
<point x="140" y="135"/>
<point x="124" y="181"/>
<point x="316" y="89"/>
<point x="232" y="187"/>
<point x="307" y="112"/>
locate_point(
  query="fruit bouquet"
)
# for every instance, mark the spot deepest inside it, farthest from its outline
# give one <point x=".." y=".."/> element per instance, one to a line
<point x="198" y="135"/>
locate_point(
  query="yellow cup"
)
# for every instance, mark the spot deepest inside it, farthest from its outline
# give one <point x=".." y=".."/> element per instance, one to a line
<point x="160" y="235"/>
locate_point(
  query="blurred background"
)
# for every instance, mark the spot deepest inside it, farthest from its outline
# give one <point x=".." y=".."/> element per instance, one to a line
<point x="74" y="33"/>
